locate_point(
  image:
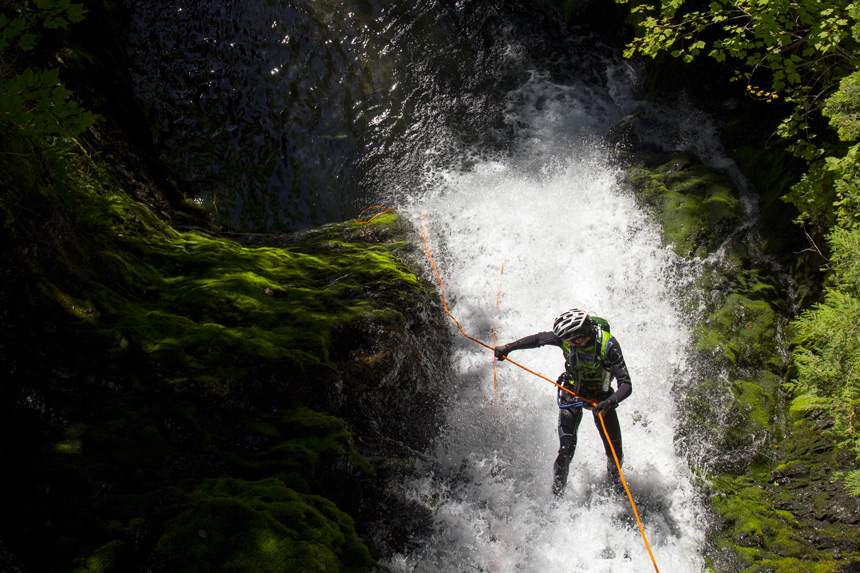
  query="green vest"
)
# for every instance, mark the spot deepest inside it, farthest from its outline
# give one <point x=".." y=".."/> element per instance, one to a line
<point x="588" y="367"/>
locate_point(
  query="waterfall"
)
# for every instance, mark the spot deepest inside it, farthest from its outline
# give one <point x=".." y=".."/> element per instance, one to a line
<point x="488" y="118"/>
<point x="569" y="235"/>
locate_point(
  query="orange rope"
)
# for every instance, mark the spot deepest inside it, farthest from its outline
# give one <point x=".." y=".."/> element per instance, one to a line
<point x="629" y="495"/>
<point x="445" y="305"/>
<point x="593" y="404"/>
<point x="360" y="222"/>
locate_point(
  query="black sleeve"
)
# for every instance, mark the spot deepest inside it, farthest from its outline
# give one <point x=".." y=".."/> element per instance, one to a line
<point x="534" y="341"/>
<point x="619" y="370"/>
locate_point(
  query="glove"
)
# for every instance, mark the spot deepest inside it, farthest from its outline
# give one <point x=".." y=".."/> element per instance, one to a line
<point x="501" y="352"/>
<point x="605" y="406"/>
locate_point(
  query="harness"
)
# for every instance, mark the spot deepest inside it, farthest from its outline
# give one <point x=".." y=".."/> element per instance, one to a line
<point x="587" y="368"/>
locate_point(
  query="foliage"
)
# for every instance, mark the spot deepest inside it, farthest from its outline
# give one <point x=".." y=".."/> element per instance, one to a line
<point x="803" y="53"/>
<point x="828" y="348"/>
<point x="852" y="481"/>
<point x="791" y="52"/>
<point x="32" y="97"/>
<point x="828" y="191"/>
<point x="843" y="108"/>
<point x="796" y="51"/>
<point x="38" y="102"/>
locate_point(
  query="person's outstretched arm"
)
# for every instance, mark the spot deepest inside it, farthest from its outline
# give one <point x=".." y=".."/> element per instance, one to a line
<point x="531" y="341"/>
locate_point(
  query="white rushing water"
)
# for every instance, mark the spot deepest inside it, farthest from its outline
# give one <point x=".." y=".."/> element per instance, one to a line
<point x="569" y="236"/>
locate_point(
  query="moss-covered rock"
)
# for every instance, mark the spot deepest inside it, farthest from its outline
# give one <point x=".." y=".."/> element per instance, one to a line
<point x="793" y="515"/>
<point x="235" y="525"/>
<point x="742" y="333"/>
<point x="146" y="355"/>
<point x="696" y="206"/>
<point x="147" y="362"/>
<point x="774" y="482"/>
<point x="162" y="378"/>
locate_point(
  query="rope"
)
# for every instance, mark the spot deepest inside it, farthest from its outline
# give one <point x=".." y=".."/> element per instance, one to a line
<point x="360" y="222"/>
<point x="593" y="404"/>
<point x="627" y="489"/>
<point x="487" y="346"/>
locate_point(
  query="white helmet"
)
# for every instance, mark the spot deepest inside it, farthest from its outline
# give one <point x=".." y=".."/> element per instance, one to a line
<point x="573" y="324"/>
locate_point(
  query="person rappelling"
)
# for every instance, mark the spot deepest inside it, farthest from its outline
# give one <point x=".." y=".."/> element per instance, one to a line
<point x="592" y="360"/>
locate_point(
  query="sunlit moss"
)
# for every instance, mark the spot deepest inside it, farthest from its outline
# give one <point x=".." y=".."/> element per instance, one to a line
<point x="695" y="205"/>
<point x="171" y="356"/>
<point x="236" y="525"/>
<point x="764" y="537"/>
<point x="68" y="447"/>
<point x="757" y="399"/>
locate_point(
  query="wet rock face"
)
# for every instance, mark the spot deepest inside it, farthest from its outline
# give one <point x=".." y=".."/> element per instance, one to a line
<point x="395" y="381"/>
<point x="773" y="476"/>
<point x="173" y="395"/>
<point x="807" y="482"/>
<point x="794" y="515"/>
<point x="390" y="377"/>
<point x="174" y="382"/>
<point x="696" y="206"/>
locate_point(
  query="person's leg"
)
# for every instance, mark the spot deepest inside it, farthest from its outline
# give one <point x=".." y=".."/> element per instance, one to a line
<point x="568" y="424"/>
<point x="613" y="428"/>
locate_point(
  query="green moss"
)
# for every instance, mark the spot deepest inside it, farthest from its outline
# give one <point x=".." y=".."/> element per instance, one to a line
<point x="169" y="357"/>
<point x="307" y="443"/>
<point x="106" y="558"/>
<point x="764" y="537"/>
<point x="695" y="205"/>
<point x="791" y="515"/>
<point x="777" y="492"/>
<point x="234" y="525"/>
<point x="743" y="328"/>
<point x="757" y="400"/>
<point x="737" y="341"/>
<point x="234" y="301"/>
<point x="146" y="354"/>
<point x="752" y="519"/>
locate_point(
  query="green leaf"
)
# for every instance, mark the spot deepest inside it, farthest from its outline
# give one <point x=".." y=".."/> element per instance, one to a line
<point x="50" y="77"/>
<point x="76" y="13"/>
<point x="56" y="22"/>
<point x="27" y="42"/>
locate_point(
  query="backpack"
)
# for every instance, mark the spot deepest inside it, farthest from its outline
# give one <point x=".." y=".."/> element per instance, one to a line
<point x="601" y="322"/>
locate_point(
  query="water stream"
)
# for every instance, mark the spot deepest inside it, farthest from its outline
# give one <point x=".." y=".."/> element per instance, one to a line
<point x="568" y="235"/>
<point x="490" y="120"/>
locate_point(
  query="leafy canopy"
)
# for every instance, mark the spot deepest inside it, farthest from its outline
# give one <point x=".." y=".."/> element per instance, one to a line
<point x="795" y="50"/>
<point x="804" y="52"/>
<point x="31" y="97"/>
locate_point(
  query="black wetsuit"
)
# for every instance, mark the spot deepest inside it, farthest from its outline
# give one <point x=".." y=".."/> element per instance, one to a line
<point x="570" y="414"/>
